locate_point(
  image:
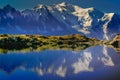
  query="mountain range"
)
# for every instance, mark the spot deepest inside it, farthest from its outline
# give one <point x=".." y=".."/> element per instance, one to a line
<point x="59" y="19"/>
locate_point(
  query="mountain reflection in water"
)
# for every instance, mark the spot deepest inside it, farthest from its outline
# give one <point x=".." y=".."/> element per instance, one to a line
<point x="94" y="63"/>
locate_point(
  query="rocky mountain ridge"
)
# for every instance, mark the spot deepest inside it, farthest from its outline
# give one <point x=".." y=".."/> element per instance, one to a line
<point x="59" y="19"/>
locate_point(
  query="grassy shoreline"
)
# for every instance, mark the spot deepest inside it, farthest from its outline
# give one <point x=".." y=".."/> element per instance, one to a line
<point x="19" y="42"/>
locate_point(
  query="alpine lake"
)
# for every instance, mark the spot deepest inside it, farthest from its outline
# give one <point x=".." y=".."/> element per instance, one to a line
<point x="57" y="58"/>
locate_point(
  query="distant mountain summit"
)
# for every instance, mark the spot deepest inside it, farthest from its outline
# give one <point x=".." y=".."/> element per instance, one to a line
<point x="59" y="19"/>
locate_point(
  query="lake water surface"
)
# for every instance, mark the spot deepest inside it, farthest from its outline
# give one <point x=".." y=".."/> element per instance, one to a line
<point x="94" y="63"/>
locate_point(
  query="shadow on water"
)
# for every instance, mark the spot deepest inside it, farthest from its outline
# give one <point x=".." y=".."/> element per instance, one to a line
<point x="114" y="45"/>
<point x="97" y="63"/>
<point x="48" y="47"/>
<point x="58" y="47"/>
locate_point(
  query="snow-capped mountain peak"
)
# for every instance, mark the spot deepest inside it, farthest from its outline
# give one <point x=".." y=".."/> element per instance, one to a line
<point x="108" y="16"/>
<point x="59" y="19"/>
<point x="41" y="9"/>
<point x="40" y="6"/>
<point x="64" y="4"/>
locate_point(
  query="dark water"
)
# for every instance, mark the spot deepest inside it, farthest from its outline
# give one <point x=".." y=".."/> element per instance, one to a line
<point x="94" y="63"/>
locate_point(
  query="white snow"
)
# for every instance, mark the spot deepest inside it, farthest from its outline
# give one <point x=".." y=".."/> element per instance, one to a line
<point x="81" y="19"/>
<point x="39" y="6"/>
<point x="107" y="18"/>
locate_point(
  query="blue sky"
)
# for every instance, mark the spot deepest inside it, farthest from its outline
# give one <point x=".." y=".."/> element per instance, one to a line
<point x="103" y="5"/>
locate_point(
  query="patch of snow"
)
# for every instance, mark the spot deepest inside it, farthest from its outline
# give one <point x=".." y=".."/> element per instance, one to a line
<point x="10" y="15"/>
<point x="83" y="30"/>
<point x="107" y="18"/>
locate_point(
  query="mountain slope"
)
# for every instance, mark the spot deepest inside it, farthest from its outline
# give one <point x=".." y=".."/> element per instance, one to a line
<point x="59" y="19"/>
